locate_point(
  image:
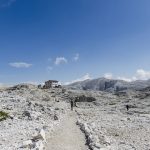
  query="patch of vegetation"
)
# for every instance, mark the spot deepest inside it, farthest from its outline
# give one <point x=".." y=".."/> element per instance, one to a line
<point x="3" y="115"/>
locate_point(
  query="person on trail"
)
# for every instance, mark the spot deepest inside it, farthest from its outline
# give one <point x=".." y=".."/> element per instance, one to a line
<point x="75" y="104"/>
<point x="127" y="107"/>
<point x="71" y="103"/>
<point x="77" y="99"/>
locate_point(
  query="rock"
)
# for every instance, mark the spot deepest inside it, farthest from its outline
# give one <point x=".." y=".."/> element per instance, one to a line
<point x="57" y="108"/>
<point x="29" y="103"/>
<point x="83" y="98"/>
<point x="43" y="109"/>
<point x="104" y="148"/>
<point x="39" y="145"/>
<point x="96" y="148"/>
<point x="55" y="117"/>
<point x="27" y="144"/>
<point x="27" y="113"/>
<point x="97" y="145"/>
<point x="11" y="117"/>
<point x="40" y="136"/>
<point x="36" y="115"/>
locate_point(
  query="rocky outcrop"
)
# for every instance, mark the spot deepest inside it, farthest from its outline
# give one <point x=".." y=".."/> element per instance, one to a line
<point x="83" y="98"/>
<point x="36" y="143"/>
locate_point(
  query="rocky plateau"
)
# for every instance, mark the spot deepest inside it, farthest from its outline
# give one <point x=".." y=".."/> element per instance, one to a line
<point x="30" y="115"/>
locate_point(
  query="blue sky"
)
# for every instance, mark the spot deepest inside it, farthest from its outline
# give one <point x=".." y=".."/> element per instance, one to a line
<point x="71" y="40"/>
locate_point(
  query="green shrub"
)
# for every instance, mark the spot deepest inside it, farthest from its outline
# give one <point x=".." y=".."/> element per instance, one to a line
<point x="3" y="115"/>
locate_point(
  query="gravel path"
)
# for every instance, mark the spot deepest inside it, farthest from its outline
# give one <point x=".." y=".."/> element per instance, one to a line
<point x="67" y="136"/>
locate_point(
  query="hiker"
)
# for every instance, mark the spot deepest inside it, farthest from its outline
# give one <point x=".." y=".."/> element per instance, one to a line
<point x="71" y="103"/>
<point x="127" y="107"/>
<point x="76" y="100"/>
<point x="75" y="104"/>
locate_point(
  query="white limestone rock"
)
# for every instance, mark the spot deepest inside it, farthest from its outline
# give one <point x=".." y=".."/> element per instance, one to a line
<point x="40" y="136"/>
<point x="27" y="144"/>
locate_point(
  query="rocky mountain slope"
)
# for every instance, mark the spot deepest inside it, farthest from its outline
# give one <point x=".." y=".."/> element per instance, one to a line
<point x="110" y="85"/>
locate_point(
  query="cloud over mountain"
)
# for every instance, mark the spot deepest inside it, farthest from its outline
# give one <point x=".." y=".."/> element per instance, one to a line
<point x="85" y="77"/>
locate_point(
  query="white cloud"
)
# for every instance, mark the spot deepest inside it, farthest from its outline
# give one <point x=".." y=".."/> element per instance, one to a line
<point x="142" y="74"/>
<point x="85" y="77"/>
<point x="60" y="60"/>
<point x="108" y="75"/>
<point x="139" y="75"/>
<point x="125" y="79"/>
<point x="20" y="65"/>
<point x="76" y="57"/>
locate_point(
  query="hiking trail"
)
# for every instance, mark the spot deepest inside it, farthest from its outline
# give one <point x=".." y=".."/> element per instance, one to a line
<point x="67" y="136"/>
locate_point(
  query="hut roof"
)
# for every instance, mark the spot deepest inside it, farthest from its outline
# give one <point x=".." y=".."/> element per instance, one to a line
<point x="52" y="81"/>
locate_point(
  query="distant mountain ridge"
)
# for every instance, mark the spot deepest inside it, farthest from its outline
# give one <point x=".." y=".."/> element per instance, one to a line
<point x="110" y="85"/>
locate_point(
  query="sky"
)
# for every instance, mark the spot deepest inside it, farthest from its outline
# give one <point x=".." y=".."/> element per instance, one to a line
<point x="73" y="40"/>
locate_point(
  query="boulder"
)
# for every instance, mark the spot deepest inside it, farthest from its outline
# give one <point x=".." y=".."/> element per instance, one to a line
<point x="55" y="117"/>
<point x="27" y="114"/>
<point x="27" y="144"/>
<point x="40" y="136"/>
<point x="39" y="145"/>
<point x="84" y="98"/>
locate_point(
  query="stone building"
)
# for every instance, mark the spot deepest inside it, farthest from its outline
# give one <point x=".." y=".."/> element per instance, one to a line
<point x="51" y="83"/>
